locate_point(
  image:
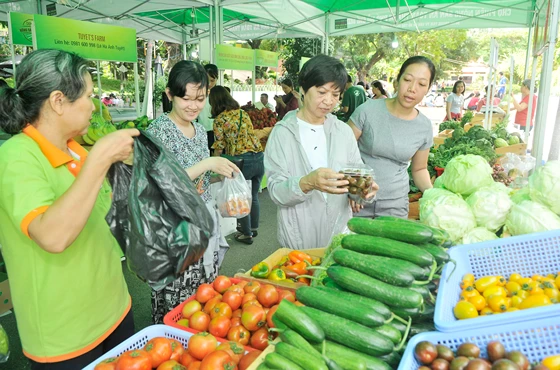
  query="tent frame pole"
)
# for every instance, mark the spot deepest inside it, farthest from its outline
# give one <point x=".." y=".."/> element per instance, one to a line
<point x="99" y="86"/>
<point x="137" y="89"/>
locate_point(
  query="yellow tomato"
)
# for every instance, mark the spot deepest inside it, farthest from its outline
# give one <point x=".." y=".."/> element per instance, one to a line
<point x="499" y="303"/>
<point x="478" y="301"/>
<point x="516" y="300"/>
<point x="486" y="311"/>
<point x="515" y="277"/>
<point x="469" y="292"/>
<point x="512" y="309"/>
<point x="525" y="287"/>
<point x="468" y="277"/>
<point x="551" y="276"/>
<point x="524" y="281"/>
<point x="552" y="293"/>
<point x="465" y="310"/>
<point x="536" y="288"/>
<point x="534" y="301"/>
<point x="512" y="287"/>
<point x="557" y="281"/>
<point x="494" y="290"/>
<point x="523" y="294"/>
<point x="501" y="281"/>
<point x="465" y="284"/>
<point x="486" y="282"/>
<point x="538" y="278"/>
<point x="552" y="362"/>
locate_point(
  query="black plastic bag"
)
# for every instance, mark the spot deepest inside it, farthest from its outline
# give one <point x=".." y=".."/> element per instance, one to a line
<point x="157" y="216"/>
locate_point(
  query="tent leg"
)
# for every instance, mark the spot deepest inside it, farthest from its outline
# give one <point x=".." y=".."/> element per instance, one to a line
<point x="13" y="52"/>
<point x="253" y="85"/>
<point x="137" y="89"/>
<point x="326" y="33"/>
<point x="529" y="42"/>
<point x="99" y="87"/>
<point x="212" y="33"/>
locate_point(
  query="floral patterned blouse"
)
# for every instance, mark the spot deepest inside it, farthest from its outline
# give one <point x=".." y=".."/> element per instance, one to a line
<point x="234" y="133"/>
<point x="188" y="151"/>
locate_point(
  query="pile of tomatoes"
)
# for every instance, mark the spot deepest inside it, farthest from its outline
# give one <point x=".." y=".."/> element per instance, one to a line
<point x="203" y="352"/>
<point x="238" y="311"/>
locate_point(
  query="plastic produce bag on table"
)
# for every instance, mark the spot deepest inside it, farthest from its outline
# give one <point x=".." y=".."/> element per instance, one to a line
<point x="234" y="197"/>
<point x="157" y="216"/>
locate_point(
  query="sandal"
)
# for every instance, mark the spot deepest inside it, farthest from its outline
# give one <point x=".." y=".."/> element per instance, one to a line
<point x="254" y="232"/>
<point x="244" y="239"/>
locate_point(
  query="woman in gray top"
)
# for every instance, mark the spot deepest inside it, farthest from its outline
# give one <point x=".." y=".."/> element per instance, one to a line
<point x="391" y="132"/>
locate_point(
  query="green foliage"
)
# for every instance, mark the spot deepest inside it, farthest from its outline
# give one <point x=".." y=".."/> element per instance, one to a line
<point x="449" y="125"/>
<point x="293" y="50"/>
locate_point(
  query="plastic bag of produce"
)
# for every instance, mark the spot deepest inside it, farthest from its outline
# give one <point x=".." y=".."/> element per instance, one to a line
<point x="447" y="211"/>
<point x="490" y="206"/>
<point x="544" y="186"/>
<point x="531" y="217"/>
<point x="4" y="346"/>
<point x="234" y="197"/>
<point x="157" y="216"/>
<point x="465" y="174"/>
<point x="477" y="235"/>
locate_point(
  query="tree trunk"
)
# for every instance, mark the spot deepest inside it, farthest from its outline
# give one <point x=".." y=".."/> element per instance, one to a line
<point x="362" y="75"/>
<point x="555" y="145"/>
<point x="254" y="44"/>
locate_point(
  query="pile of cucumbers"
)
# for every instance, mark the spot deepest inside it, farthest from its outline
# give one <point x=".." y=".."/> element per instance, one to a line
<point x="377" y="294"/>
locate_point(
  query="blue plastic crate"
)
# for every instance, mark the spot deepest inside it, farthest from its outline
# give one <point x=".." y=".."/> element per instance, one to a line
<point x="536" y="339"/>
<point x="530" y="254"/>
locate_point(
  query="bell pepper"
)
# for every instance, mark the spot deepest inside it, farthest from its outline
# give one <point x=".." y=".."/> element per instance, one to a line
<point x="316" y="261"/>
<point x="260" y="270"/>
<point x="552" y="362"/>
<point x="304" y="280"/>
<point x="282" y="262"/>
<point x="299" y="256"/>
<point x="290" y="274"/>
<point x="277" y="275"/>
<point x="299" y="268"/>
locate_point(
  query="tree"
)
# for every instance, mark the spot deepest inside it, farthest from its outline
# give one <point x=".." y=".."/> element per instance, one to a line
<point x="293" y="50"/>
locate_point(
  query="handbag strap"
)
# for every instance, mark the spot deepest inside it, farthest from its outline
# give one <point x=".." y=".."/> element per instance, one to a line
<point x="200" y="183"/>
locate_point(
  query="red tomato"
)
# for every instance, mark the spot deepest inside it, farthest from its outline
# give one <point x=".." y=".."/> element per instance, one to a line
<point x="253" y="302"/>
<point x="209" y="306"/>
<point x="252" y="287"/>
<point x="159" y="350"/>
<point x="269" y="316"/>
<point x="248" y="297"/>
<point x="205" y="292"/>
<point x="237" y="289"/>
<point x="286" y="294"/>
<point x="242" y="283"/>
<point x="219" y="326"/>
<point x="218" y="360"/>
<point x="201" y="344"/>
<point x="199" y="321"/>
<point x="221" y="284"/>
<point x="177" y="350"/>
<point x="235" y="321"/>
<point x="191" y="307"/>
<point x="248" y="359"/>
<point x="221" y="309"/>
<point x="233" y="349"/>
<point x="137" y="359"/>
<point x="233" y="299"/>
<point x="186" y="359"/>
<point x="259" y="339"/>
<point x="253" y="318"/>
<point x="171" y="365"/>
<point x="107" y="364"/>
<point x="267" y="295"/>
<point x="195" y="365"/>
<point x="237" y="313"/>
<point x="239" y="334"/>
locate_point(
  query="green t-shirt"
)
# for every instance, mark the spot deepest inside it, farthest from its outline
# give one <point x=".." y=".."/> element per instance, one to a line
<point x="65" y="303"/>
<point x="353" y="97"/>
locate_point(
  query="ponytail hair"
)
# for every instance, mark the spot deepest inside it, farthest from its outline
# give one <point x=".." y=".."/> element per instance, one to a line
<point x="38" y="75"/>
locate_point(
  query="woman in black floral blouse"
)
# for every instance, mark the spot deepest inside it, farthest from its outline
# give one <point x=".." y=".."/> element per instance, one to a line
<point x="187" y="89"/>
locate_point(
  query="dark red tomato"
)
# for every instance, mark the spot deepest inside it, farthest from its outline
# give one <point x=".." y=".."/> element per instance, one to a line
<point x="107" y="364"/>
<point x="221" y="309"/>
<point x="286" y="294"/>
<point x="201" y="344"/>
<point x="159" y="349"/>
<point x="259" y="339"/>
<point x="219" y="326"/>
<point x="171" y="365"/>
<point x="137" y="359"/>
<point x="267" y="295"/>
<point x="218" y="360"/>
<point x="248" y="359"/>
<point x="233" y="299"/>
<point x="205" y="292"/>
<point x="221" y="284"/>
<point x="253" y="318"/>
<point x="199" y="321"/>
<point x="239" y="334"/>
<point x="252" y="287"/>
<point x="177" y="350"/>
<point x="269" y="316"/>
<point x="235" y="350"/>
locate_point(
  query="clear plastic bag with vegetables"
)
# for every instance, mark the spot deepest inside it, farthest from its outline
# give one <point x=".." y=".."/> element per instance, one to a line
<point x="360" y="178"/>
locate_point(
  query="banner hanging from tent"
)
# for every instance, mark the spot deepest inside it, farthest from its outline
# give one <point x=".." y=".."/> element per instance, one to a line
<point x="266" y="58"/>
<point x="19" y="26"/>
<point x="230" y="57"/>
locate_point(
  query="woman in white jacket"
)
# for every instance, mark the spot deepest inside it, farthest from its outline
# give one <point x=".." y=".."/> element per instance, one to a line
<point x="302" y="157"/>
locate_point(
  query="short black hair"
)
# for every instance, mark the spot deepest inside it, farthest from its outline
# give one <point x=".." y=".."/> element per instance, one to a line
<point x="361" y="83"/>
<point x="349" y="80"/>
<point x="186" y="72"/>
<point x="379" y="86"/>
<point x="228" y="89"/>
<point x="264" y="94"/>
<point x="212" y="70"/>
<point x="418" y="59"/>
<point x="457" y="84"/>
<point x="221" y="100"/>
<point x="321" y="70"/>
<point x="287" y="82"/>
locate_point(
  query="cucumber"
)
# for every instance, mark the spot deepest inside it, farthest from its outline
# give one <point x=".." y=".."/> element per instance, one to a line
<point x="421" y="327"/>
<point x="297" y="320"/>
<point x="423" y="290"/>
<point x="437" y="252"/>
<point x="405" y="313"/>
<point x="360" y="283"/>
<point x="329" y="283"/>
<point x="351" y="334"/>
<point x="390" y="332"/>
<point x="296" y="340"/>
<point x="398" y="325"/>
<point x="392" y="359"/>
<point x="332" y="365"/>
<point x="331" y="302"/>
<point x="277" y="361"/>
<point x="397" y="230"/>
<point x="372" y="304"/>
<point x="300" y="357"/>
<point x="416" y="314"/>
<point x="419" y="273"/>
<point x="389" y="248"/>
<point x="279" y="324"/>
<point x="263" y="366"/>
<point x="350" y="359"/>
<point x="440" y="236"/>
<point x="371" y="266"/>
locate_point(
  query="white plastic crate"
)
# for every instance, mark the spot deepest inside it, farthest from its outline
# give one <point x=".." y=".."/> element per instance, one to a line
<point x="140" y="339"/>
<point x="536" y="339"/>
<point x="530" y="254"/>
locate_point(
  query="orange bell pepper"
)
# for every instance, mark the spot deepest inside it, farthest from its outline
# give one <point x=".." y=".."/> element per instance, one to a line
<point x="299" y="256"/>
<point x="299" y="268"/>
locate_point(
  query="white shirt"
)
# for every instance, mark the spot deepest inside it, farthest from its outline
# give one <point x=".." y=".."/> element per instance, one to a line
<point x="456" y="102"/>
<point x="260" y="106"/>
<point x="314" y="142"/>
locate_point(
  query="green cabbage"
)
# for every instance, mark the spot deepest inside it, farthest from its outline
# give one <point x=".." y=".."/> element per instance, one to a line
<point x="531" y="217"/>
<point x="544" y="186"/>
<point x="439" y="183"/>
<point x="465" y="174"/>
<point x="477" y="235"/>
<point x="520" y="195"/>
<point x="500" y="143"/>
<point x="490" y="206"/>
<point x="447" y="211"/>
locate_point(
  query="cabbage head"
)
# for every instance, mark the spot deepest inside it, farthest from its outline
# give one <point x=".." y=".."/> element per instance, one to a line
<point x="477" y="235"/>
<point x="447" y="211"/>
<point x="465" y="174"/>
<point x="520" y="195"/>
<point x="544" y="186"/>
<point x="490" y="206"/>
<point x="531" y="217"/>
<point x="439" y="183"/>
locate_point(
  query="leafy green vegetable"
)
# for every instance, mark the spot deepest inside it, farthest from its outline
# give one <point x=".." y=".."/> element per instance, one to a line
<point x="490" y="206"/>
<point x="449" y="125"/>
<point x="477" y="235"/>
<point x="531" y="217"/>
<point x="465" y="174"/>
<point x="320" y="275"/>
<point x="544" y="186"/>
